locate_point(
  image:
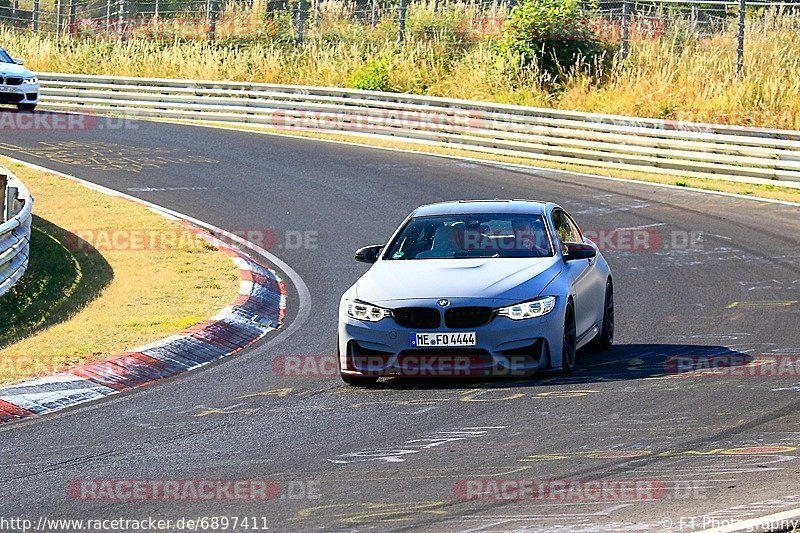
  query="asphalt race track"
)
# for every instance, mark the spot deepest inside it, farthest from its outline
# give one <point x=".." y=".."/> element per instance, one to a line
<point x="720" y="278"/>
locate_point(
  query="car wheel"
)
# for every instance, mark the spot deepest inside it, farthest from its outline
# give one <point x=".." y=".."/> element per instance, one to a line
<point x="26" y="107"/>
<point x="569" y="350"/>
<point x="351" y="379"/>
<point x="605" y="338"/>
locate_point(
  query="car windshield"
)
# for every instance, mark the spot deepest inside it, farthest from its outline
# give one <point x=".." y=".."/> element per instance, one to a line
<point x="4" y="57"/>
<point x="471" y="236"/>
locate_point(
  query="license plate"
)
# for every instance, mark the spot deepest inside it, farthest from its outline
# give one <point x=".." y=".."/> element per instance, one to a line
<point x="422" y="340"/>
<point x="5" y="89"/>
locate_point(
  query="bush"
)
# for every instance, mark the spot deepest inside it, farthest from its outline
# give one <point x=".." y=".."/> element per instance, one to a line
<point x="556" y="35"/>
<point x="374" y="76"/>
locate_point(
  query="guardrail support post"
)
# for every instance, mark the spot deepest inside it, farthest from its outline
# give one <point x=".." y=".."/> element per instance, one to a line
<point x="625" y="29"/>
<point x="402" y="33"/>
<point x="3" y="185"/>
<point x="740" y="40"/>
<point x="12" y="195"/>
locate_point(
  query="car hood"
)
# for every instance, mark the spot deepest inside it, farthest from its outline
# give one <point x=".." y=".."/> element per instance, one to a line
<point x="12" y="69"/>
<point x="490" y="278"/>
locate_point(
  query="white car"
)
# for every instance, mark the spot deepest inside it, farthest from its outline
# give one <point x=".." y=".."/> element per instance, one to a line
<point x="476" y="288"/>
<point x="18" y="85"/>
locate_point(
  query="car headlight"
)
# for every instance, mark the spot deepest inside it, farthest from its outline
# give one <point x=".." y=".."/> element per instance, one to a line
<point x="30" y="80"/>
<point x="532" y="309"/>
<point x="364" y="311"/>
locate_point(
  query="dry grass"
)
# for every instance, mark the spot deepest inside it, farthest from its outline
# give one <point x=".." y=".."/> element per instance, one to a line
<point x="681" y="76"/>
<point x="136" y="296"/>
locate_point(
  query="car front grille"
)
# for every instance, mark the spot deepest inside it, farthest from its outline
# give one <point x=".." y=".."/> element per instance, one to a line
<point x="468" y="317"/>
<point x="476" y="353"/>
<point x="13" y="81"/>
<point x="11" y="98"/>
<point x="417" y="317"/>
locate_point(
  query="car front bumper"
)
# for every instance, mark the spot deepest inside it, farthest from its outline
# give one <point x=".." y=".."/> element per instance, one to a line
<point x="27" y="93"/>
<point x="504" y="347"/>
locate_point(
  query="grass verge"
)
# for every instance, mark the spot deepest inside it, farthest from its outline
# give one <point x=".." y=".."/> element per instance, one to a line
<point x="105" y="275"/>
<point x="677" y="73"/>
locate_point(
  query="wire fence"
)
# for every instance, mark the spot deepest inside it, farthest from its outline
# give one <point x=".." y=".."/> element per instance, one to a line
<point x="296" y="21"/>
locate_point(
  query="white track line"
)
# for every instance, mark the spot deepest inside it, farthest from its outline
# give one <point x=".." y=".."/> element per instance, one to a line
<point x="488" y="162"/>
<point x="304" y="295"/>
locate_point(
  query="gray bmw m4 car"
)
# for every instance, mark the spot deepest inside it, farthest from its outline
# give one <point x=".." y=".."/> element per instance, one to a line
<point x="476" y="288"/>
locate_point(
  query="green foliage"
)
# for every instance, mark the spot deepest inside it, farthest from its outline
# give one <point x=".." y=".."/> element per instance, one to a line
<point x="556" y="35"/>
<point x="59" y="282"/>
<point x="373" y="76"/>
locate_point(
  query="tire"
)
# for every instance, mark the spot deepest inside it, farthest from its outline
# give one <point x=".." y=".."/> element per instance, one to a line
<point x="605" y="338"/>
<point x="569" y="350"/>
<point x="26" y="107"/>
<point x="351" y="379"/>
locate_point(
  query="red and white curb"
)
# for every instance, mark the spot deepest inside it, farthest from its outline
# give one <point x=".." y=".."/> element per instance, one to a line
<point x="258" y="309"/>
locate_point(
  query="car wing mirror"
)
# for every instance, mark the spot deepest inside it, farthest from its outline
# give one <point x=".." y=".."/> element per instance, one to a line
<point x="573" y="251"/>
<point x="19" y="61"/>
<point x="369" y="254"/>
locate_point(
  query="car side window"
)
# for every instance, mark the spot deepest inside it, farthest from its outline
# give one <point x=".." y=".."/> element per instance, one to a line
<point x="566" y="229"/>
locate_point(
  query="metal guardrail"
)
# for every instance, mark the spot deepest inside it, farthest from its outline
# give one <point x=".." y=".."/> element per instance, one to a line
<point x="15" y="230"/>
<point x="751" y="155"/>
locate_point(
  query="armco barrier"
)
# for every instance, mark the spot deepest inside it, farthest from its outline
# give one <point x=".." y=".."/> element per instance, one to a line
<point x="15" y="232"/>
<point x="751" y="155"/>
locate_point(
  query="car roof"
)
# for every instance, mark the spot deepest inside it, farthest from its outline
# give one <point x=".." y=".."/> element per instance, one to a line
<point x="460" y="207"/>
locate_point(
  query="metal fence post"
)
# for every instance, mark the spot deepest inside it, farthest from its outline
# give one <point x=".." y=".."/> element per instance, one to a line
<point x="35" y="15"/>
<point x="374" y="14"/>
<point x="625" y="29"/>
<point x="73" y="8"/>
<point x="740" y="40"/>
<point x="58" y="17"/>
<point x="402" y="33"/>
<point x="14" y="9"/>
<point x="121" y="20"/>
<point x="302" y="8"/>
<point x="156" y="9"/>
<point x="212" y="21"/>
<point x="108" y="17"/>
